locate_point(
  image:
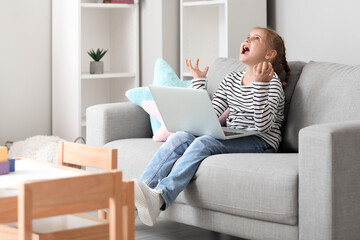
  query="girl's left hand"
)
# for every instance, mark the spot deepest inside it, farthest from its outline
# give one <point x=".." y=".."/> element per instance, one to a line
<point x="263" y="72"/>
<point x="195" y="71"/>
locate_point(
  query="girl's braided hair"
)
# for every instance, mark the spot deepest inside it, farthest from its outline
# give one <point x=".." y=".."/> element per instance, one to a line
<point x="279" y="63"/>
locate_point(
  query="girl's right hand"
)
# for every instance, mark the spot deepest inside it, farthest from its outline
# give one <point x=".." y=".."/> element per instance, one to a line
<point x="263" y="72"/>
<point x="195" y="71"/>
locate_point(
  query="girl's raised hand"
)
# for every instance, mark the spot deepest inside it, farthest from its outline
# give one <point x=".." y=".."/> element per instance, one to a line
<point x="263" y="72"/>
<point x="195" y="71"/>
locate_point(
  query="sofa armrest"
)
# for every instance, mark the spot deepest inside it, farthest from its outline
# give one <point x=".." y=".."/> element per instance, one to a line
<point x="329" y="180"/>
<point x="113" y="121"/>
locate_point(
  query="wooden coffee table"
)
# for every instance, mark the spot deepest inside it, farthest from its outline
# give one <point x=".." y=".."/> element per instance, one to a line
<point x="27" y="169"/>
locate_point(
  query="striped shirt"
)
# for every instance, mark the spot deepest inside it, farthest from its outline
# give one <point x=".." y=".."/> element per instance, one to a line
<point x="257" y="106"/>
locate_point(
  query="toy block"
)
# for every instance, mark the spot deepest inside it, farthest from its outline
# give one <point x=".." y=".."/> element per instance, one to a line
<point x="4" y="167"/>
<point x="11" y="164"/>
<point x="3" y="153"/>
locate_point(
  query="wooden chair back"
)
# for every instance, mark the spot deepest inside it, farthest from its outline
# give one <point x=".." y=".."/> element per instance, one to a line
<point x="86" y="155"/>
<point x="76" y="155"/>
<point x="48" y="198"/>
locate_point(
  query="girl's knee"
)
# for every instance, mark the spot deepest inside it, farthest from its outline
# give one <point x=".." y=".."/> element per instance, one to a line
<point x="205" y="141"/>
<point x="180" y="137"/>
<point x="204" y="146"/>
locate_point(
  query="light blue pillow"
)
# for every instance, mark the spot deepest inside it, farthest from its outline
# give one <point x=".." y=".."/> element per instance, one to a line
<point x="137" y="95"/>
<point x="164" y="75"/>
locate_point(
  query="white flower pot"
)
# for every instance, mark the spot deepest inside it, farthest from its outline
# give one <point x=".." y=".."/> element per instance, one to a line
<point x="96" y="67"/>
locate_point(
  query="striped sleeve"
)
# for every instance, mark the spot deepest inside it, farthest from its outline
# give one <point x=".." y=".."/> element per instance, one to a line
<point x="266" y="101"/>
<point x="198" y="83"/>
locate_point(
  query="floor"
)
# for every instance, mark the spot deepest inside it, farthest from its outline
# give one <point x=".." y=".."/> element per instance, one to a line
<point x="167" y="230"/>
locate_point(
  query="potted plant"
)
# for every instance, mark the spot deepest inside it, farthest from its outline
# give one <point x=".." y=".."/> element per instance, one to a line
<point x="97" y="66"/>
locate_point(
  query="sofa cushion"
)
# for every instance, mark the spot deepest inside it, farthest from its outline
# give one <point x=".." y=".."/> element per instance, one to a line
<point x="257" y="186"/>
<point x="164" y="75"/>
<point x="134" y="154"/>
<point x="325" y="92"/>
<point x="296" y="69"/>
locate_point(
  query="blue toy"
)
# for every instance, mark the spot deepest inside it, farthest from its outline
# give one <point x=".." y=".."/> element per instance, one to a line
<point x="11" y="164"/>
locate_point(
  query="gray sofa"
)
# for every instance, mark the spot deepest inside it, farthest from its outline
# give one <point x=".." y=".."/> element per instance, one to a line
<point x="309" y="190"/>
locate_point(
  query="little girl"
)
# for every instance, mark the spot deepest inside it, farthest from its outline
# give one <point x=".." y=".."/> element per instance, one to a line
<point x="256" y="101"/>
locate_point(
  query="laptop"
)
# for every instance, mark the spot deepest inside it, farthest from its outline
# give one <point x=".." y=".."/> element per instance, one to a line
<point x="191" y="110"/>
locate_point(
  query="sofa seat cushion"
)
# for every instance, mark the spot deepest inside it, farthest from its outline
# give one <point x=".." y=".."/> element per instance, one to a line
<point x="134" y="154"/>
<point x="257" y="186"/>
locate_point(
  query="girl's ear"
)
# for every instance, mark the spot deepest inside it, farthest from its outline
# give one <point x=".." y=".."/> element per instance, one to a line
<point x="271" y="54"/>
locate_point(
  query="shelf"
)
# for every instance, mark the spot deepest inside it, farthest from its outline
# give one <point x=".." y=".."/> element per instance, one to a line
<point x="107" y="5"/>
<point x="80" y="25"/>
<point x="107" y="75"/>
<point x="203" y="3"/>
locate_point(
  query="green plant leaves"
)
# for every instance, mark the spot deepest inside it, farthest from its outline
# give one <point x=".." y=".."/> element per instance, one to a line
<point x="98" y="55"/>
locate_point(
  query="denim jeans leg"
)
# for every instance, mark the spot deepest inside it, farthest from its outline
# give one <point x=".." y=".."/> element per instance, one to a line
<point x="164" y="159"/>
<point x="199" y="149"/>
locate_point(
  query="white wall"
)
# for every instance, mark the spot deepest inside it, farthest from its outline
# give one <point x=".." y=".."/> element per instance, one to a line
<point x="25" y="69"/>
<point x="159" y="37"/>
<point x="321" y="30"/>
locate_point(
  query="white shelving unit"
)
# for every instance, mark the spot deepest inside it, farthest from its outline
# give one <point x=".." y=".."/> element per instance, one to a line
<point x="78" y="26"/>
<point x="216" y="28"/>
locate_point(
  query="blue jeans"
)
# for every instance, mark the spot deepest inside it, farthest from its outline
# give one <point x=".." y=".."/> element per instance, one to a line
<point x="188" y="152"/>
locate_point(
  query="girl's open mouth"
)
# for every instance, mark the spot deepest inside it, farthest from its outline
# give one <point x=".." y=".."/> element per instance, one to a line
<point x="245" y="49"/>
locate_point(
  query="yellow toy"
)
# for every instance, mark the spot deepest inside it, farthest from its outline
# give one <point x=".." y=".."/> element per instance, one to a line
<point x="3" y="154"/>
